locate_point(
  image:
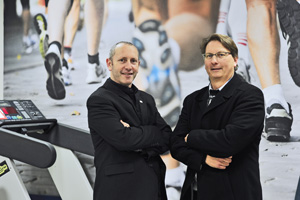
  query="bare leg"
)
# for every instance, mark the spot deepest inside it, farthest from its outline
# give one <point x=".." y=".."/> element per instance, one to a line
<point x="71" y="27"/>
<point x="149" y="9"/>
<point x="94" y="10"/>
<point x="26" y="21"/>
<point x="202" y="20"/>
<point x="94" y="13"/>
<point x="264" y="44"/>
<point x="28" y="42"/>
<point x="57" y="13"/>
<point x="265" y="48"/>
<point x="105" y="12"/>
<point x="71" y="24"/>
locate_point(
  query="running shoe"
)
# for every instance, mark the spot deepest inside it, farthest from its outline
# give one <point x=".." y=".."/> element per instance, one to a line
<point x="28" y="45"/>
<point x="68" y="57"/>
<point x="158" y="68"/>
<point x="289" y="19"/>
<point x="66" y="73"/>
<point x="278" y="123"/>
<point x="174" y="180"/>
<point x="95" y="73"/>
<point x="40" y="25"/>
<point x="173" y="193"/>
<point x="55" y="83"/>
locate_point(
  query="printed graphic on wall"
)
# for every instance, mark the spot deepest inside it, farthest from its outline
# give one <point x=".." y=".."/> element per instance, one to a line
<point x="55" y="55"/>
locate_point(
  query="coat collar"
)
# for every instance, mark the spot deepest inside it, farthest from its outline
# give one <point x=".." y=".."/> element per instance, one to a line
<point x="116" y="88"/>
<point x="222" y="96"/>
<point x="111" y="86"/>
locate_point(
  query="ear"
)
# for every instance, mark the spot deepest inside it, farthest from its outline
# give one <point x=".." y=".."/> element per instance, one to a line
<point x="109" y="64"/>
<point x="235" y="61"/>
<point x="138" y="67"/>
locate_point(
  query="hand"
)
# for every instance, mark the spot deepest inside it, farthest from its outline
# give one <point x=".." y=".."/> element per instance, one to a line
<point x="125" y="124"/>
<point x="185" y="138"/>
<point x="218" y="163"/>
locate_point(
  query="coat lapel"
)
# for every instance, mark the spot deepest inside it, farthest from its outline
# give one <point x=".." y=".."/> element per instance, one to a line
<point x="225" y="93"/>
<point x="202" y="101"/>
<point x="120" y="93"/>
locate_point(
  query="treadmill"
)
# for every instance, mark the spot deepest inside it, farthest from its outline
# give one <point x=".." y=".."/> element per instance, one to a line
<point x="27" y="136"/>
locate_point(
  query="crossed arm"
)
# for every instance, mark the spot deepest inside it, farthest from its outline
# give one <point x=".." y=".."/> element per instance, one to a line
<point x="116" y="126"/>
<point x="213" y="146"/>
<point x="214" y="162"/>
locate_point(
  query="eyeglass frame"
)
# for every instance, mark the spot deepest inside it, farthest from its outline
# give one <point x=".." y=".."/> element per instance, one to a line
<point x="216" y="54"/>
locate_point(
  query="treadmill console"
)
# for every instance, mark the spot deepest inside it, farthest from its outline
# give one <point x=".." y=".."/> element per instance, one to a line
<point x="24" y="117"/>
<point x="19" y="110"/>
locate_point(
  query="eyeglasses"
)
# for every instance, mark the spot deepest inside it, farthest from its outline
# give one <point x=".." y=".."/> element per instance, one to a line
<point x="219" y="55"/>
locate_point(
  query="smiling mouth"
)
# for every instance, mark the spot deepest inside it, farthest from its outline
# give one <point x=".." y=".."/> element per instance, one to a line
<point x="127" y="74"/>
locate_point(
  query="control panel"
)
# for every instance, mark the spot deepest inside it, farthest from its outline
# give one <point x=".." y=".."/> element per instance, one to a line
<point x="19" y="110"/>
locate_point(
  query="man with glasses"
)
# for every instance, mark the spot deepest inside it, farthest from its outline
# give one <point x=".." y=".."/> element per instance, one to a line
<point x="219" y="130"/>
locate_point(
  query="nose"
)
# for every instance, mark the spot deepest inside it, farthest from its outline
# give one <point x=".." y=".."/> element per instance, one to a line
<point x="214" y="59"/>
<point x="128" y="65"/>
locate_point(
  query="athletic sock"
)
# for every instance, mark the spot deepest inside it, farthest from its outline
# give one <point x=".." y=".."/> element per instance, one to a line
<point x="68" y="50"/>
<point x="94" y="59"/>
<point x="274" y="94"/>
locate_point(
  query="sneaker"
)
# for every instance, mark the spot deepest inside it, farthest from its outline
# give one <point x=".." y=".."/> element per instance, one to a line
<point x="55" y="83"/>
<point x="66" y="73"/>
<point x="288" y="14"/>
<point x="40" y="25"/>
<point x="278" y="123"/>
<point x="173" y="193"/>
<point x="159" y="68"/>
<point x="28" y="46"/>
<point x="29" y="43"/>
<point x="243" y="70"/>
<point x="70" y="61"/>
<point x="95" y="73"/>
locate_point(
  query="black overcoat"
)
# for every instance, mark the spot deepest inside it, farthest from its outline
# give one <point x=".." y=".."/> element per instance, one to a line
<point x="127" y="161"/>
<point x="230" y="126"/>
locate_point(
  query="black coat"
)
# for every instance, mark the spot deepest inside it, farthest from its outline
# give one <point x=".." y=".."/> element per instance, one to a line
<point x="128" y="165"/>
<point x="230" y="126"/>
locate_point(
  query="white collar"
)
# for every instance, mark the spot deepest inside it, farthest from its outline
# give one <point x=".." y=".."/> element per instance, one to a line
<point x="220" y="88"/>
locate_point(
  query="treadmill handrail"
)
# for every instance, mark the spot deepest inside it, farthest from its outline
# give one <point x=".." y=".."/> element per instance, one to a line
<point x="26" y="149"/>
<point x="69" y="137"/>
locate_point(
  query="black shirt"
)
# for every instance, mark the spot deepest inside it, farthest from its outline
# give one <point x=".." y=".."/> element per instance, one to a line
<point x="131" y="92"/>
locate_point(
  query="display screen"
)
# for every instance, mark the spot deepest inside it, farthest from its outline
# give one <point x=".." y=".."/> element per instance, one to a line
<point x="9" y="110"/>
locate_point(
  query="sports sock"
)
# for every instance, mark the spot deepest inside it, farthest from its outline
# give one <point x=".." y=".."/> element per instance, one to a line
<point x="68" y="50"/>
<point x="94" y="59"/>
<point x="274" y="94"/>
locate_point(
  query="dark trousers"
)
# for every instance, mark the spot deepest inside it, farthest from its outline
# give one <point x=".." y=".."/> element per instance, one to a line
<point x="194" y="193"/>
